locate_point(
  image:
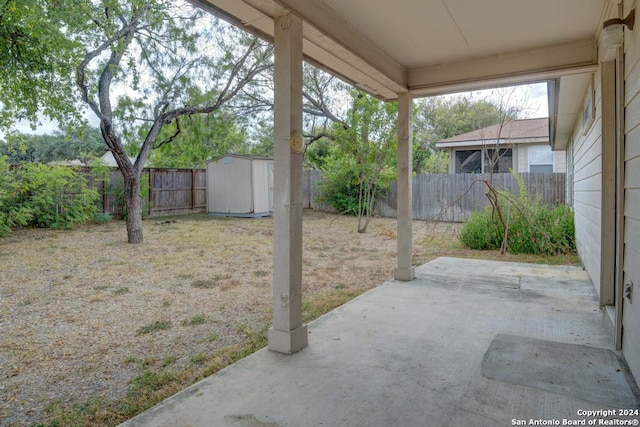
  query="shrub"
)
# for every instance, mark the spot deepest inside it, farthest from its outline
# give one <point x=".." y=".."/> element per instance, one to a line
<point x="481" y="232"/>
<point x="33" y="194"/>
<point x="340" y="185"/>
<point x="533" y="227"/>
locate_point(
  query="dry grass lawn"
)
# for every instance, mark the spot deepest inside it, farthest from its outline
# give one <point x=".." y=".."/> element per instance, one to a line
<point x="95" y="330"/>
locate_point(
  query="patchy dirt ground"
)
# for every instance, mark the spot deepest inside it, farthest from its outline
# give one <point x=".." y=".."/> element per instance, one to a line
<point x="82" y="312"/>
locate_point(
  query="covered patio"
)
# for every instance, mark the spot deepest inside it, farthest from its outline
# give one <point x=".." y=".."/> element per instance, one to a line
<point x="453" y="342"/>
<point x="467" y="343"/>
<point x="397" y="51"/>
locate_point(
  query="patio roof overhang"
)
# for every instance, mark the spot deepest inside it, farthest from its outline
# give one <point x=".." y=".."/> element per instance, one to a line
<point x="433" y="47"/>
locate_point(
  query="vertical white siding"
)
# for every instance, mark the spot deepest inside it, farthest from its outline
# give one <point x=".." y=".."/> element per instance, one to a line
<point x="631" y="311"/>
<point x="587" y="185"/>
<point x="261" y="186"/>
<point x="229" y="186"/>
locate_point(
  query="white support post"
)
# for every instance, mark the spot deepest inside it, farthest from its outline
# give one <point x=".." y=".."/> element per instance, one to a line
<point x="288" y="334"/>
<point x="405" y="270"/>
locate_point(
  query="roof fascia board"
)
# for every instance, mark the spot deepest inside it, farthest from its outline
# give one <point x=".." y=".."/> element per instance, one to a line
<point x="492" y="142"/>
<point x="525" y="66"/>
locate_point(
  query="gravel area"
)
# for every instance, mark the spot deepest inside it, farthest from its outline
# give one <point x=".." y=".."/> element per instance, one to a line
<point x="82" y="312"/>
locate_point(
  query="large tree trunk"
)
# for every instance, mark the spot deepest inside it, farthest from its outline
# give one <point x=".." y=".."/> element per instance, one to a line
<point x="133" y="201"/>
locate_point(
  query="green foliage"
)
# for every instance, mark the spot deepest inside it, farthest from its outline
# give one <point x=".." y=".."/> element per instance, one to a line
<point x="79" y="143"/>
<point x="201" y="138"/>
<point x="362" y="163"/>
<point x="37" y="58"/>
<point x="319" y="154"/>
<point x="13" y="212"/>
<point x="482" y="231"/>
<point x="33" y="194"/>
<point x="160" y="325"/>
<point x="533" y="227"/>
<point x="439" y="118"/>
<point x="338" y="187"/>
<point x="114" y="190"/>
<point x="437" y="162"/>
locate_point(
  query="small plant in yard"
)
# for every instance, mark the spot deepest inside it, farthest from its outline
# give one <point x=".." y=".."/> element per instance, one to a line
<point x="204" y="284"/>
<point x="200" y="358"/>
<point x="168" y="360"/>
<point x="121" y="290"/>
<point x="148" y="361"/>
<point x="160" y="325"/>
<point x="210" y="338"/>
<point x="198" y="319"/>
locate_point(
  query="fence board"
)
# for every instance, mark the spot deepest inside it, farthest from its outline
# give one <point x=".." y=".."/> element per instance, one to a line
<point x="311" y="193"/>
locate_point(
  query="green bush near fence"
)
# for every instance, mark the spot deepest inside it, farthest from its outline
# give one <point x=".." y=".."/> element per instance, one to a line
<point x="532" y="226"/>
<point x="33" y="194"/>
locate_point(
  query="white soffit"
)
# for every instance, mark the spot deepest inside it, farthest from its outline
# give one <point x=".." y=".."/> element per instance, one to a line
<point x="435" y="46"/>
<point x="570" y="93"/>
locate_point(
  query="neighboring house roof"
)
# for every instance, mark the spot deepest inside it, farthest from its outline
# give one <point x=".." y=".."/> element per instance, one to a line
<point x="109" y="160"/>
<point x="514" y="132"/>
<point x="74" y="162"/>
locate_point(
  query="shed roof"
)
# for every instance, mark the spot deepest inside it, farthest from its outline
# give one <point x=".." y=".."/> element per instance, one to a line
<point x="515" y="131"/>
<point x="239" y="156"/>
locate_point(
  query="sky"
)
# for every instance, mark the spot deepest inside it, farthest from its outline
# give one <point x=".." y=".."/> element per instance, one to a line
<point x="532" y="98"/>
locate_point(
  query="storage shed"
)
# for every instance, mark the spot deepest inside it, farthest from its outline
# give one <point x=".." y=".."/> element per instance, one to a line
<point x="240" y="186"/>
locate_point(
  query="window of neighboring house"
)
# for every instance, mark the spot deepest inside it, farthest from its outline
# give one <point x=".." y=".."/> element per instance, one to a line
<point x="473" y="161"/>
<point x="540" y="159"/>
<point x="502" y="160"/>
<point x="468" y="161"/>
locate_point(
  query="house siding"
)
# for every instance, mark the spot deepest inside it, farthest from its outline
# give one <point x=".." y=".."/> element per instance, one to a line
<point x="631" y="266"/>
<point x="560" y="161"/>
<point x="587" y="195"/>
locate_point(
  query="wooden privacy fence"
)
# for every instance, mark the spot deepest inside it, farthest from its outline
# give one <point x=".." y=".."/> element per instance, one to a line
<point x="311" y="194"/>
<point x="452" y="197"/>
<point x="455" y="197"/>
<point x="165" y="191"/>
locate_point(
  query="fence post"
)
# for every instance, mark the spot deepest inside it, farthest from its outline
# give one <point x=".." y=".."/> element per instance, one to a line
<point x="193" y="189"/>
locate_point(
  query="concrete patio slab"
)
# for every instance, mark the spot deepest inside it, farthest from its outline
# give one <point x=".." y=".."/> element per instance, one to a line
<point x="449" y="348"/>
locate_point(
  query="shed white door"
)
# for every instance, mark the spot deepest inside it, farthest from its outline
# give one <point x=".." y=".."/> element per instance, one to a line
<point x="230" y="182"/>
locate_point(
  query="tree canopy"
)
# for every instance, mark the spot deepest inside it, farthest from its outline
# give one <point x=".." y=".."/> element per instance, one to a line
<point x="38" y="54"/>
<point x="81" y="144"/>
